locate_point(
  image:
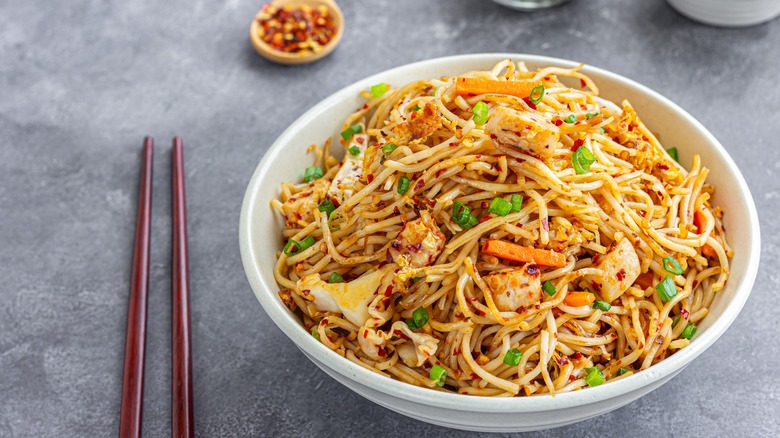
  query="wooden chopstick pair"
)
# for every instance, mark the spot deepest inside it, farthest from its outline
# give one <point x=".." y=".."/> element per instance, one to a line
<point x="135" y="343"/>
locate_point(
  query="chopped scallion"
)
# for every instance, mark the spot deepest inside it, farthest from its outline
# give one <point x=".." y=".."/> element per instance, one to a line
<point x="420" y="317"/>
<point x="666" y="289"/>
<point x="335" y="277"/>
<point x="312" y="173"/>
<point x="439" y="375"/>
<point x="315" y="332"/>
<point x="403" y="185"/>
<point x="672" y="266"/>
<point x="326" y="207"/>
<point x="354" y="150"/>
<point x="549" y="288"/>
<point x="591" y="115"/>
<point x="389" y="148"/>
<point x="581" y="160"/>
<point x="512" y="357"/>
<point x="416" y="108"/>
<point x="517" y="203"/>
<point x="602" y="305"/>
<point x="379" y="90"/>
<point x="622" y="371"/>
<point x="689" y="331"/>
<point x="570" y="119"/>
<point x="500" y="207"/>
<point x="462" y="216"/>
<point x="673" y="153"/>
<point x="536" y="94"/>
<point x="675" y="321"/>
<point x="480" y="112"/>
<point x="304" y="244"/>
<point x="349" y="132"/>
<point x="595" y="377"/>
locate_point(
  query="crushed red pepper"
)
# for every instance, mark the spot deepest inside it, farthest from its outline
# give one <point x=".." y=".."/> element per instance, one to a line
<point x="296" y="29"/>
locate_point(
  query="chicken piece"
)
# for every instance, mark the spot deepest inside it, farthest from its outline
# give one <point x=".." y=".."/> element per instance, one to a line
<point x="301" y="206"/>
<point x="425" y="122"/>
<point x="414" y="352"/>
<point x="514" y="289"/>
<point x="351" y="169"/>
<point x="352" y="299"/>
<point x="418" y="244"/>
<point x="621" y="268"/>
<point x="524" y="130"/>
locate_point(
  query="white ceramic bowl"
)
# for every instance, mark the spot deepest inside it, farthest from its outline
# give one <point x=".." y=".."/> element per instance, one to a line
<point x="728" y="13"/>
<point x="260" y="238"/>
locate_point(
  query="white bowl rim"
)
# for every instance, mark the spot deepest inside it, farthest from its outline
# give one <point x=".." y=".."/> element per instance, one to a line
<point x="263" y="289"/>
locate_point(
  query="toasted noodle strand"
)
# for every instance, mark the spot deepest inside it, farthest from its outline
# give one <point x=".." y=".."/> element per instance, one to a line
<point x="501" y="233"/>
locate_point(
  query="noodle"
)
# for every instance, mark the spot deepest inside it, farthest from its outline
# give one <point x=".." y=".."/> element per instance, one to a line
<point x="389" y="261"/>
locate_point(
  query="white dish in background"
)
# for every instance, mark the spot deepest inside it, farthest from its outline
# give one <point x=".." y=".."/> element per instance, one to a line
<point x="728" y="13"/>
<point x="260" y="239"/>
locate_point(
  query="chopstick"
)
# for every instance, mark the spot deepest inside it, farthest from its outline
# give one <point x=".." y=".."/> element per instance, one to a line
<point x="182" y="418"/>
<point x="135" y="341"/>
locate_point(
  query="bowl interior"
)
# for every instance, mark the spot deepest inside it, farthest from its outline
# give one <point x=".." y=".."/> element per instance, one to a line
<point x="286" y="160"/>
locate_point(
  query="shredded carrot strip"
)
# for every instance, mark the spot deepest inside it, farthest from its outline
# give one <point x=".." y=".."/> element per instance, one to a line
<point x="577" y="299"/>
<point x="524" y="254"/>
<point x="474" y="86"/>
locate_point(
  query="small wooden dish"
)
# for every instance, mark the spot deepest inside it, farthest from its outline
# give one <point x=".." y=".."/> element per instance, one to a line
<point x="298" y="58"/>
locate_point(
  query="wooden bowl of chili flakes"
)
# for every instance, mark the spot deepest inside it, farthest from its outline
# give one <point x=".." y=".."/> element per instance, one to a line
<point x="297" y="31"/>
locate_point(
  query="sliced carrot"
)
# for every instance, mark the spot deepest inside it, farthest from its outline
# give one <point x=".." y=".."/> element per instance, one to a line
<point x="644" y="280"/>
<point x="577" y="299"/>
<point x="474" y="86"/>
<point x="698" y="220"/>
<point x="524" y="254"/>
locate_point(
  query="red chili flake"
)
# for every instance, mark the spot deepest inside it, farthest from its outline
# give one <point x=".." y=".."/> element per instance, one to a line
<point x="662" y="166"/>
<point x="572" y="378"/>
<point x="596" y="258"/>
<point x="382" y="352"/>
<point x="478" y="156"/>
<point x="396" y="245"/>
<point x="474" y="376"/>
<point x="582" y="83"/>
<point x="577" y="355"/>
<point x="365" y="333"/>
<point x="389" y="291"/>
<point x="414" y="248"/>
<point x="453" y="143"/>
<point x="484" y="204"/>
<point x="695" y="283"/>
<point x="642" y="213"/>
<point x="419" y="184"/>
<point x="306" y="292"/>
<point x="360" y="140"/>
<point x="563" y="360"/>
<point x="596" y="286"/>
<point x="300" y="29"/>
<point x="402" y="335"/>
<point x="685" y="314"/>
<point x="577" y="143"/>
<point x="370" y="178"/>
<point x="473" y="298"/>
<point x="621" y="274"/>
<point x="528" y="102"/>
<point x="484" y="218"/>
<point x="365" y="106"/>
<point x="493" y="136"/>
<point x="479" y="312"/>
<point x="545" y="224"/>
<point x="558" y="122"/>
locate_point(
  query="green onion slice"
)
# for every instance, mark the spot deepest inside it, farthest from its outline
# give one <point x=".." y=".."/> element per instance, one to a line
<point x="462" y="216"/>
<point x="581" y="160"/>
<point x="512" y="357"/>
<point x="303" y="245"/>
<point x="326" y="207"/>
<point x="354" y="150"/>
<point x="403" y="185"/>
<point x="517" y="203"/>
<point x="335" y="277"/>
<point x="673" y="153"/>
<point x="570" y="119"/>
<point x="379" y="90"/>
<point x="689" y="331"/>
<point x="675" y="321"/>
<point x="500" y="207"/>
<point x="438" y="374"/>
<point x="480" y="112"/>
<point x="312" y="173"/>
<point x="420" y="317"/>
<point x="621" y="371"/>
<point x="595" y="377"/>
<point x="315" y="333"/>
<point x="666" y="289"/>
<point x="549" y="288"/>
<point x="591" y="115"/>
<point x="389" y="148"/>
<point x="602" y="305"/>
<point x="536" y="94"/>
<point x="349" y="132"/>
<point x="416" y="108"/>
<point x="333" y="220"/>
<point x="672" y="266"/>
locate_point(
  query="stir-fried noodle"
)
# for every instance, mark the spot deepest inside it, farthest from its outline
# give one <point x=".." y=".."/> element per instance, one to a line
<point x="500" y="233"/>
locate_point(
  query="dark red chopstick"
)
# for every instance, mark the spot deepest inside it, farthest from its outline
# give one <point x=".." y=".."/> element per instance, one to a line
<point x="135" y="341"/>
<point x="182" y="420"/>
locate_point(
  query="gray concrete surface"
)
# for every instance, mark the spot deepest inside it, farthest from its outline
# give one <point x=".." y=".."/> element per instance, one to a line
<point x="81" y="83"/>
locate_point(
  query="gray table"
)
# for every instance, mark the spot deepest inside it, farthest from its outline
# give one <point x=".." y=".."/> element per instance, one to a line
<point x="82" y="82"/>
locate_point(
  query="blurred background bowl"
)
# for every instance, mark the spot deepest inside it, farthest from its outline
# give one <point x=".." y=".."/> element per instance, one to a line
<point x="728" y="13"/>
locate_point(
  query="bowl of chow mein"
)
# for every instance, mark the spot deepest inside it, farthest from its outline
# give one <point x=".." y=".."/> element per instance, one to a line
<point x="499" y="242"/>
